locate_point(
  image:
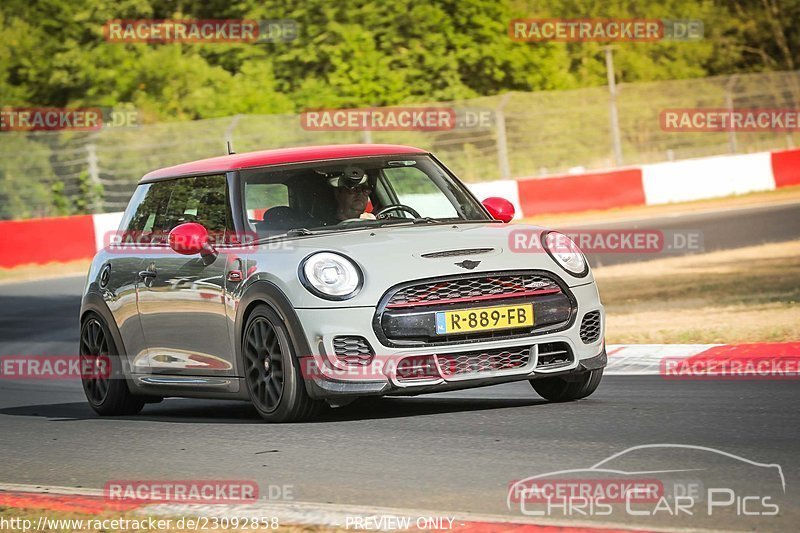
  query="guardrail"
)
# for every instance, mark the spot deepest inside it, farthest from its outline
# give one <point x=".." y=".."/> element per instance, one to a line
<point x="63" y="239"/>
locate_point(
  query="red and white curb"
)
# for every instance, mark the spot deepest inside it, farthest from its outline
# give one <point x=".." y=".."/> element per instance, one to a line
<point x="660" y="183"/>
<point x="760" y="359"/>
<point x="645" y="359"/>
<point x="93" y="502"/>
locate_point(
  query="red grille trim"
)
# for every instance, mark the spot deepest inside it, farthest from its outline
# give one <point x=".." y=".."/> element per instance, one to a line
<point x="484" y="297"/>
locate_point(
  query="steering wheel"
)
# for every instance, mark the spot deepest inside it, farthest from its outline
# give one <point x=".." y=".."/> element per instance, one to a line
<point x="380" y="215"/>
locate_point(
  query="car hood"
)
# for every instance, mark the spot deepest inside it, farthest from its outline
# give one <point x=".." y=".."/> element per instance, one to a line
<point x="391" y="255"/>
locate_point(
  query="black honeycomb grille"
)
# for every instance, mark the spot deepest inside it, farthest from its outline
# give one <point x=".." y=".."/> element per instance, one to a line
<point x="590" y="327"/>
<point x="484" y="361"/>
<point x="353" y="350"/>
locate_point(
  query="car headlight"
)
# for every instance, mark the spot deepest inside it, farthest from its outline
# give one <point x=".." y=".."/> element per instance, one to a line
<point x="331" y="276"/>
<point x="566" y="253"/>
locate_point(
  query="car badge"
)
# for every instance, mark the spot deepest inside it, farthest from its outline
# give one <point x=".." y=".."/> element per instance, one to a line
<point x="468" y="264"/>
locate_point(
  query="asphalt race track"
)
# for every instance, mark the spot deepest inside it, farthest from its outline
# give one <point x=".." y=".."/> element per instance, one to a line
<point x="720" y="230"/>
<point x="449" y="452"/>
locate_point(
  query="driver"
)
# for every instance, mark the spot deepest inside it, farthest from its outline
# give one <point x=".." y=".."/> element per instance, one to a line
<point x="352" y="191"/>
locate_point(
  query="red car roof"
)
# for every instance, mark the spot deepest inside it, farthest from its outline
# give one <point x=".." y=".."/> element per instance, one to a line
<point x="279" y="156"/>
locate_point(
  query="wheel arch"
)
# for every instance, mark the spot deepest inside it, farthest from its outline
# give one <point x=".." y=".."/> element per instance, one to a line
<point x="267" y="293"/>
<point x="93" y="303"/>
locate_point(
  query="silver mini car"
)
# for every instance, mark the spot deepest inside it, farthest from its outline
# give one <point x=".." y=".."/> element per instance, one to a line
<point x="298" y="277"/>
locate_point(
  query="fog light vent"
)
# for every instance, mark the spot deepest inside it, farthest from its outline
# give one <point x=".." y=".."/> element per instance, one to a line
<point x="353" y="350"/>
<point x="590" y="327"/>
<point x="553" y="355"/>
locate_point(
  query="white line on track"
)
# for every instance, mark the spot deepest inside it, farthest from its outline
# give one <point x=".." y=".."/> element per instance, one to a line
<point x="327" y="514"/>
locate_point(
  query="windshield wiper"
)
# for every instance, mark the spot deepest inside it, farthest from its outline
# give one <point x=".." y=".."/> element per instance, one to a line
<point x="296" y="232"/>
<point x="299" y="232"/>
<point x="388" y="222"/>
<point x="420" y="220"/>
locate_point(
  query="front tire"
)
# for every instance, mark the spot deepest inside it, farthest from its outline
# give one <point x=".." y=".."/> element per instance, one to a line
<point x="272" y="372"/>
<point x="106" y="390"/>
<point x="558" y="389"/>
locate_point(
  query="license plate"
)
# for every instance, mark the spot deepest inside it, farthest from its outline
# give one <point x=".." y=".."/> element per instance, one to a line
<point x="484" y="319"/>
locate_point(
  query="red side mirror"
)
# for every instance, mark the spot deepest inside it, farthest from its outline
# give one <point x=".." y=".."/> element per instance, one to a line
<point x="190" y="238"/>
<point x="499" y="208"/>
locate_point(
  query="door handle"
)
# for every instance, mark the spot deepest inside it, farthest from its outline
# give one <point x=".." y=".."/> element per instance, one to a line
<point x="144" y="274"/>
<point x="235" y="274"/>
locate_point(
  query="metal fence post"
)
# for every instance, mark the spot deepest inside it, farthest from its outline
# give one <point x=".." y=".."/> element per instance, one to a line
<point x="94" y="176"/>
<point x="502" y="143"/>
<point x="732" y="144"/>
<point x="616" y="140"/>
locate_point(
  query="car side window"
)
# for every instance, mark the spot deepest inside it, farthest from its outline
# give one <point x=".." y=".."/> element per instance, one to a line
<point x="139" y="222"/>
<point x="132" y="218"/>
<point x="158" y="207"/>
<point x="202" y="199"/>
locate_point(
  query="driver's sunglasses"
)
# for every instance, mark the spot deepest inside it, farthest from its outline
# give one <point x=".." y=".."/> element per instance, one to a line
<point x="365" y="190"/>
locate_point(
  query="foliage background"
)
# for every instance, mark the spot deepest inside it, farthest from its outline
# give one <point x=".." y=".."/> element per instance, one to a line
<point x="372" y="53"/>
<point x="362" y="53"/>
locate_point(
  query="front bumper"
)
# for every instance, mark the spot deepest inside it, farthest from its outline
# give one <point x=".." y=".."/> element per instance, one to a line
<point x="327" y="377"/>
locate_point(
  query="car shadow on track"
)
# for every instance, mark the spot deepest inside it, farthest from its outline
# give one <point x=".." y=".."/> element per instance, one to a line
<point x="379" y="408"/>
<point x="218" y="412"/>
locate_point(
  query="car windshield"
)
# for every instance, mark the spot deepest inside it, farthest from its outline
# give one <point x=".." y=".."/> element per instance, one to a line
<point x="347" y="194"/>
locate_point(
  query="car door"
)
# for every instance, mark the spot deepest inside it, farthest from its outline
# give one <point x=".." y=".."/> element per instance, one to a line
<point x="121" y="274"/>
<point x="181" y="298"/>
